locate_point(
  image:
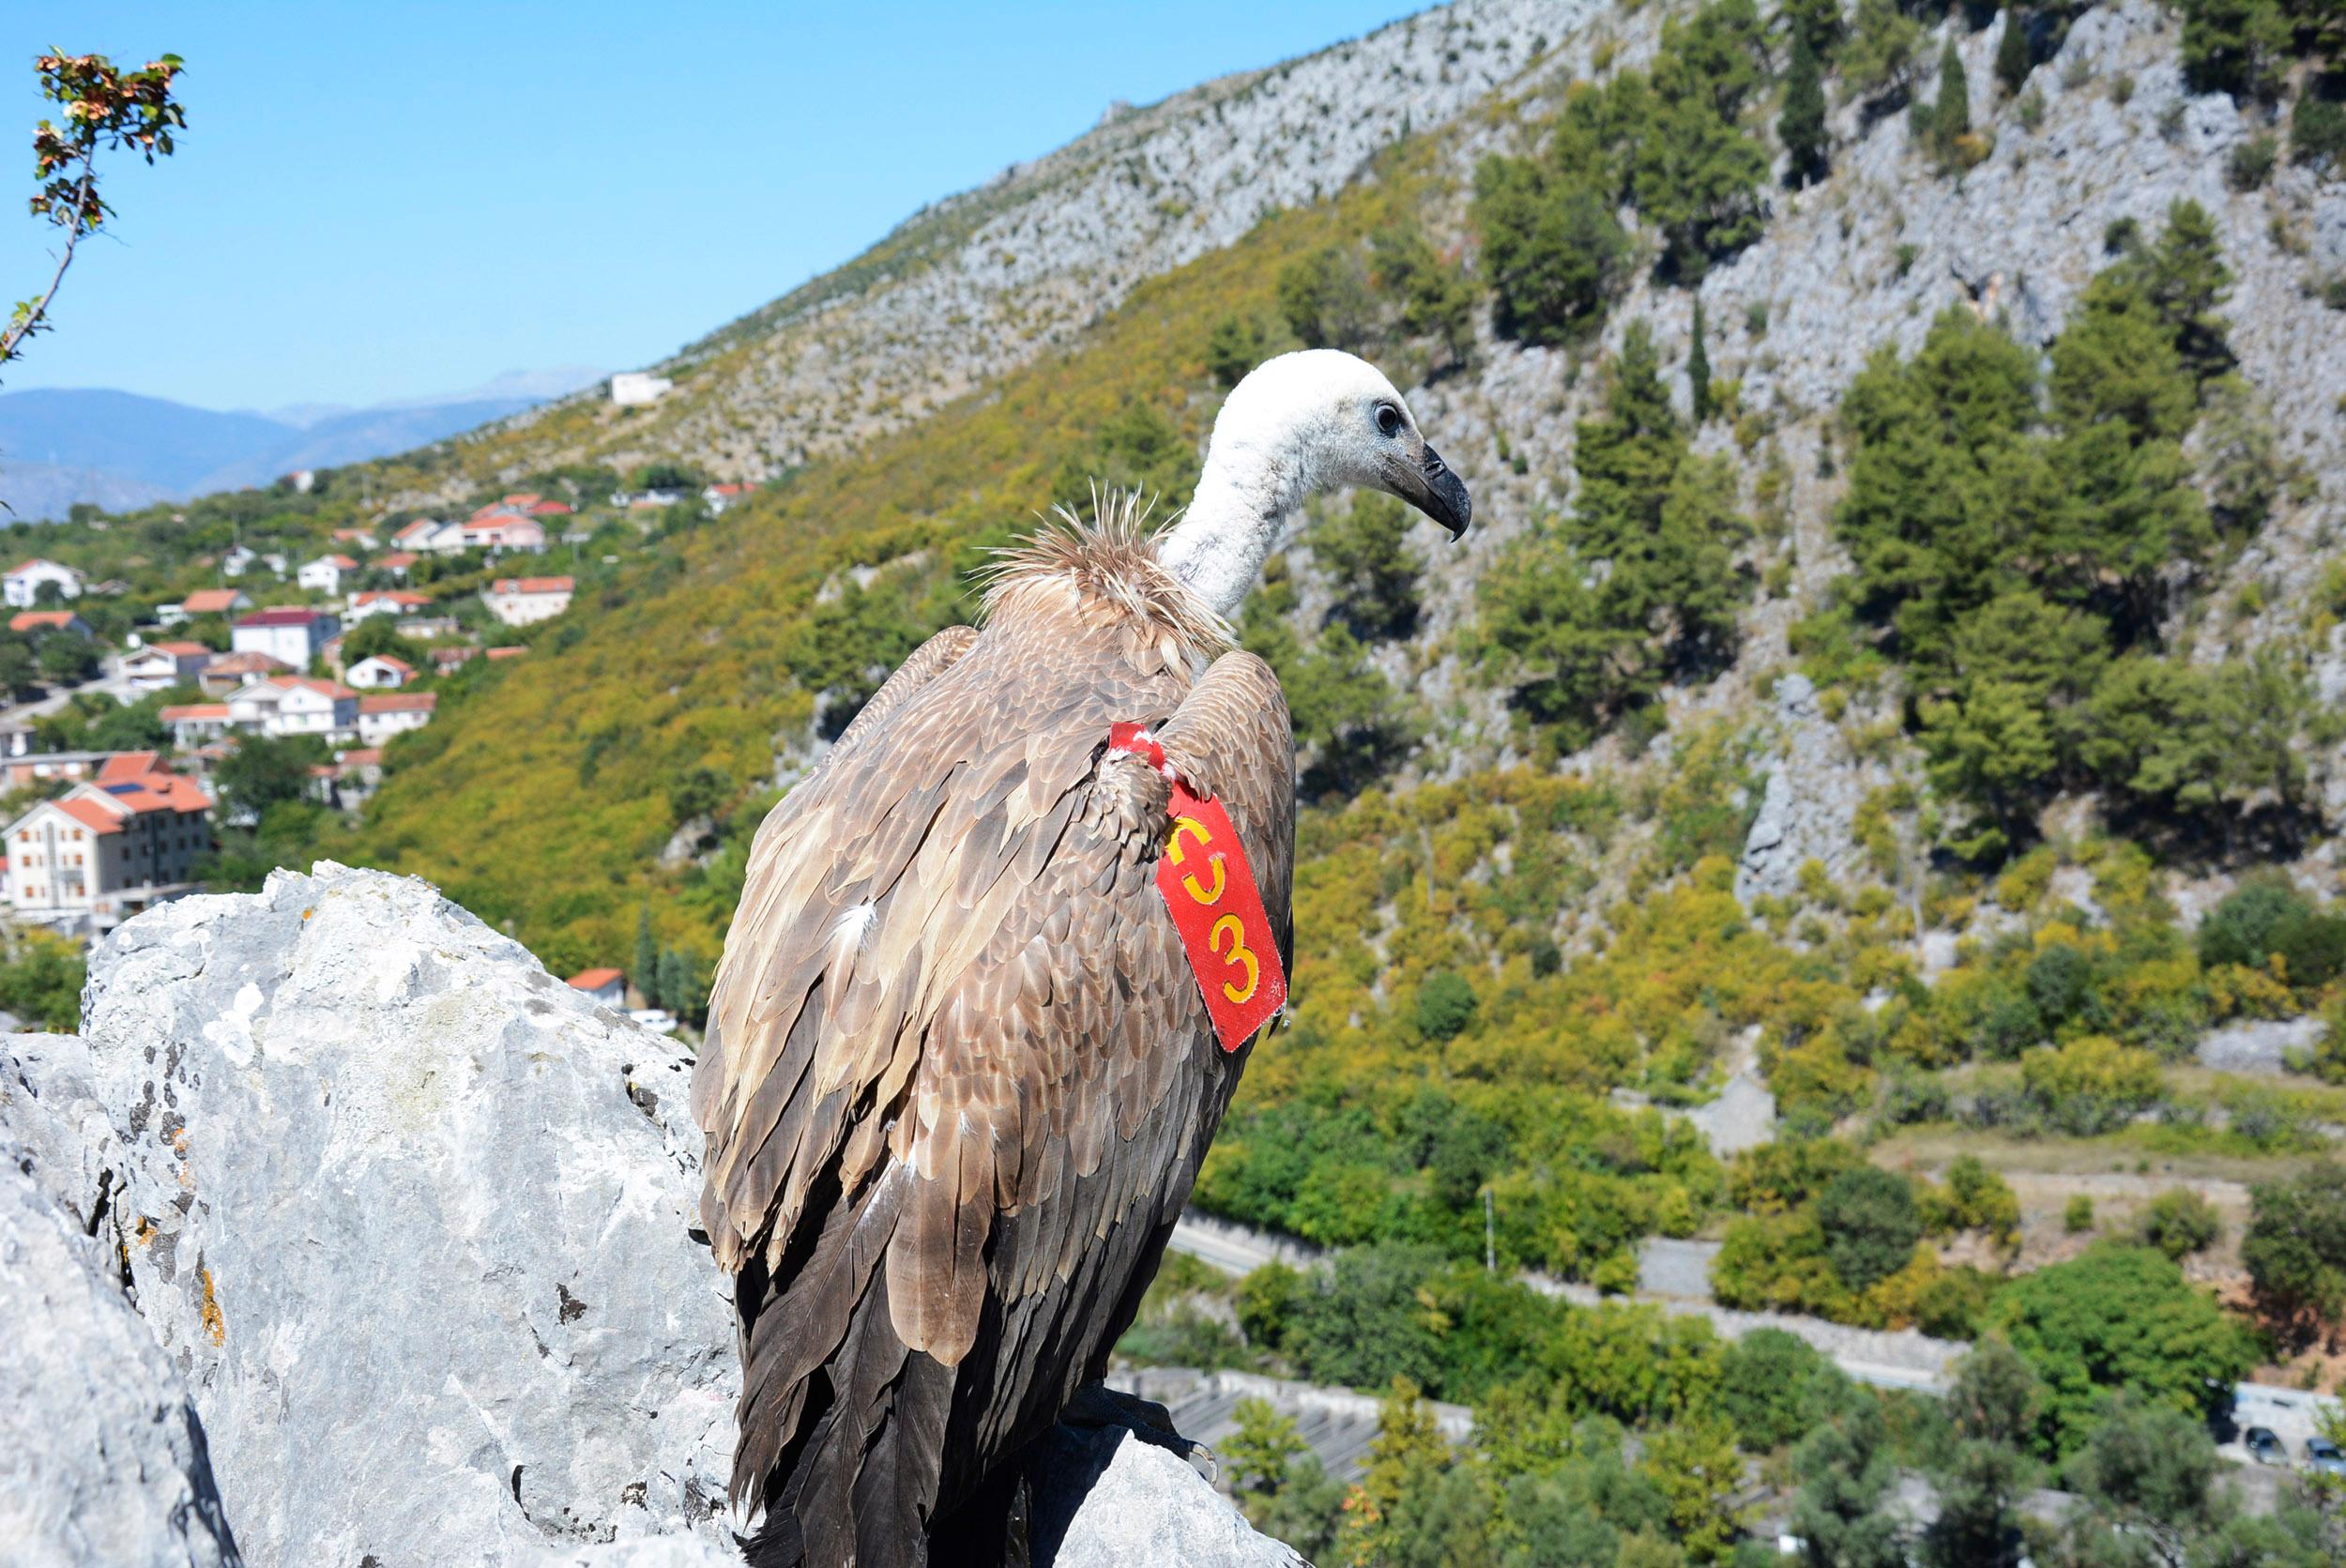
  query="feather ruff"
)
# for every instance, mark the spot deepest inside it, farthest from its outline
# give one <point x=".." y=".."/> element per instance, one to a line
<point x="1111" y="563"/>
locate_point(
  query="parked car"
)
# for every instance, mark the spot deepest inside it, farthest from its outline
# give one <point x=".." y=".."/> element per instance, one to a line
<point x="2264" y="1446"/>
<point x="2322" y="1455"/>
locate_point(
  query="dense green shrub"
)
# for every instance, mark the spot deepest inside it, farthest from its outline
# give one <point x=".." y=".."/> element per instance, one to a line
<point x="2295" y="1249"/>
<point x="2118" y="1318"/>
<point x="1870" y="1224"/>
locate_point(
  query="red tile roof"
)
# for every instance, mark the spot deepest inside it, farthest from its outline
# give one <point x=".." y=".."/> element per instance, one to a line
<point x="246" y="664"/>
<point x="206" y="602"/>
<point x="128" y="764"/>
<point x="595" y="979"/>
<point x="399" y="665"/>
<point x="362" y="756"/>
<point x="532" y="584"/>
<point x="507" y="652"/>
<point x="398" y="560"/>
<point x="334" y="689"/>
<point x="90" y="814"/>
<point x="191" y="711"/>
<point x="399" y="702"/>
<point x="341" y="563"/>
<point x="285" y="614"/>
<point x="25" y="620"/>
<point x="180" y="650"/>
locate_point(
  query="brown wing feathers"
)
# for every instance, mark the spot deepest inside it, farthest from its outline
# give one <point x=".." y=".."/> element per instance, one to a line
<point x="958" y="1077"/>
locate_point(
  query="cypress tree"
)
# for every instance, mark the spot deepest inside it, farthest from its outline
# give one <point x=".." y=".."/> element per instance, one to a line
<point x="646" y="976"/>
<point x="2013" y="61"/>
<point x="1953" y="117"/>
<point x="1699" y="368"/>
<point x="1801" y="126"/>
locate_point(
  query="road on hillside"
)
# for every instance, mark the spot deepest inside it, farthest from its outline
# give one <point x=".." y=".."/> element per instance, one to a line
<point x="1886" y="1359"/>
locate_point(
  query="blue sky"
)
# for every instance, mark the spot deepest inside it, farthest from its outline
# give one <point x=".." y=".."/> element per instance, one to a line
<point x="384" y="201"/>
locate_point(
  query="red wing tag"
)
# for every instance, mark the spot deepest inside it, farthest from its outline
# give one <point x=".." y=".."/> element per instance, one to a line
<point x="1218" y="910"/>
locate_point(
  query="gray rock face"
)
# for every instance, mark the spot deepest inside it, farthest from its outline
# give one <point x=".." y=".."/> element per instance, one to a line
<point x="1810" y="803"/>
<point x="2260" y="1045"/>
<point x="414" y="1218"/>
<point x="413" y="1221"/>
<point x="101" y="1456"/>
<point x="1105" y="1499"/>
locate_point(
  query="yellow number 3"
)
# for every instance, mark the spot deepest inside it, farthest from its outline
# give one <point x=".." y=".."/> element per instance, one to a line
<point x="1238" y="953"/>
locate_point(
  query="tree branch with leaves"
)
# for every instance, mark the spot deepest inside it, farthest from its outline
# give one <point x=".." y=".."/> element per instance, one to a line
<point x="106" y="110"/>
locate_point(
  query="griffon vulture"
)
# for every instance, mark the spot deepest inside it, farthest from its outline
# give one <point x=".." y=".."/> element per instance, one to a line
<point x="960" y="1071"/>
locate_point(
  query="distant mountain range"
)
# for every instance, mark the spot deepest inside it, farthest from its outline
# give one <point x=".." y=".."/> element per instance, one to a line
<point x="118" y="449"/>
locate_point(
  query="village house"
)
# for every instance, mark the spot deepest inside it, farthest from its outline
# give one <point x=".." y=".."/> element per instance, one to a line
<point x="390" y="714"/>
<point x="719" y="497"/>
<point x="380" y="673"/>
<point x="204" y="602"/>
<point x="357" y="538"/>
<point x="387" y="602"/>
<point x="291" y="633"/>
<point x="637" y="388"/>
<point x="237" y="561"/>
<point x="607" y="986"/>
<point x="228" y="671"/>
<point x="161" y="666"/>
<point x="451" y="657"/>
<point x="22" y="583"/>
<point x="521" y="601"/>
<point x="428" y="536"/>
<point x="193" y="723"/>
<point x="294" y="705"/>
<point x="517" y="650"/>
<point x="397" y="565"/>
<point x="325" y="574"/>
<point x="506" y="531"/>
<point x="40" y="768"/>
<point x="357" y="774"/>
<point x="28" y="622"/>
<point x="125" y="840"/>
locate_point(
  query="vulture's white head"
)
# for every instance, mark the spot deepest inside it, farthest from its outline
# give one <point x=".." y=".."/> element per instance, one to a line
<point x="1301" y="423"/>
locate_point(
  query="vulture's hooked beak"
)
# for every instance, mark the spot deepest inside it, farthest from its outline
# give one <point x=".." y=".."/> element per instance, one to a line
<point x="1434" y="490"/>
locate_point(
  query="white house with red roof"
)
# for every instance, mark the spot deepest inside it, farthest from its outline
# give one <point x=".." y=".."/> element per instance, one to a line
<point x="388" y="602"/>
<point x="128" y="838"/>
<point x="290" y="633"/>
<point x="193" y="723"/>
<point x="228" y="671"/>
<point x="21" y="585"/>
<point x="204" y="602"/>
<point x="607" y="986"/>
<point x="161" y="666"/>
<point x="384" y="714"/>
<point x="519" y="600"/>
<point x="357" y="538"/>
<point x="294" y="705"/>
<point x="429" y="535"/>
<point x="327" y="573"/>
<point x="380" y="671"/>
<point x="504" y="530"/>
<point x="397" y="564"/>
<point x="719" y="497"/>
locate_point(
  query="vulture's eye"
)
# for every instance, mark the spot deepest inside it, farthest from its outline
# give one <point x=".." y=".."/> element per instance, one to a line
<point x="1388" y="420"/>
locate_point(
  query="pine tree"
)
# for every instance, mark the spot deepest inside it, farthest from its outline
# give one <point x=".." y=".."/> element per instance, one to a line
<point x="1952" y="118"/>
<point x="1699" y="368"/>
<point x="1801" y="126"/>
<point x="2013" y="59"/>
